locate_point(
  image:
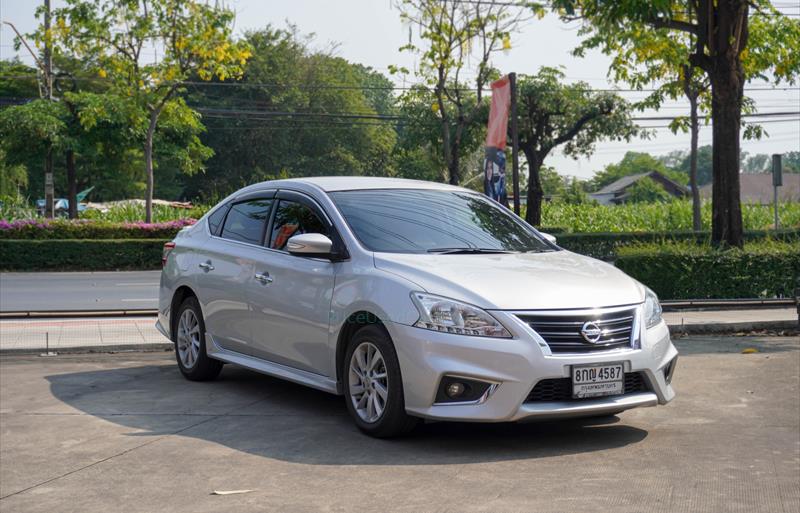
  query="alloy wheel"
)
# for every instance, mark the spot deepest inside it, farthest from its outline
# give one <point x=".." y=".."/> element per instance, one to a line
<point x="188" y="338"/>
<point x="369" y="382"/>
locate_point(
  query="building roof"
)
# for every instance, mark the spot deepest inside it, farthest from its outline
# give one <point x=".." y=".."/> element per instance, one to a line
<point x="626" y="181"/>
<point x="757" y="188"/>
<point x="622" y="183"/>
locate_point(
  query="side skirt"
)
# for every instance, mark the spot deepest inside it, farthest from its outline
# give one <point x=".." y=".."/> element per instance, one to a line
<point x="270" y="368"/>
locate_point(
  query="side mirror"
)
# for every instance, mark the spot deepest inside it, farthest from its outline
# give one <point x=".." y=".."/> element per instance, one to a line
<point x="310" y="245"/>
<point x="549" y="237"/>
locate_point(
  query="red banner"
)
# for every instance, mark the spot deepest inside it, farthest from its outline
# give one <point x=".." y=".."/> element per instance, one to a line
<point x="498" y="114"/>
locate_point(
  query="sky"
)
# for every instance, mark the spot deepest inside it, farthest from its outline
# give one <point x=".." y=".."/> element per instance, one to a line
<point x="370" y="32"/>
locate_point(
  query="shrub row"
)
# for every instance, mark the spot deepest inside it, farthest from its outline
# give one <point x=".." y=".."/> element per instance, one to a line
<point x="80" y="255"/>
<point x="690" y="271"/>
<point x="89" y="229"/>
<point x="606" y="245"/>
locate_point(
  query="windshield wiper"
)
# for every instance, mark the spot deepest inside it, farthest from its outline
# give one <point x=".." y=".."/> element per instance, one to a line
<point x="467" y="251"/>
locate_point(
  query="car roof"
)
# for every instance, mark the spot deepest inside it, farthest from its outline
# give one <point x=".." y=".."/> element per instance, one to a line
<point x="357" y="183"/>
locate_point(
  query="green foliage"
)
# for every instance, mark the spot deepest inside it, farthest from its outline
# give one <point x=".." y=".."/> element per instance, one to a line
<point x="555" y="113"/>
<point x="86" y="229"/>
<point x="647" y="190"/>
<point x="129" y="212"/>
<point x="195" y="40"/>
<point x="80" y="255"/>
<point x="14" y="81"/>
<point x="634" y="163"/>
<point x="13" y="178"/>
<point x="286" y="76"/>
<point x="575" y="194"/>
<point x="650" y="217"/>
<point x="605" y="246"/>
<point x="691" y="271"/>
<point x="15" y="206"/>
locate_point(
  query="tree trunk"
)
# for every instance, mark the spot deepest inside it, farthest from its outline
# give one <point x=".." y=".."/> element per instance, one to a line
<point x="148" y="166"/>
<point x="72" y="185"/>
<point x="726" y="75"/>
<point x="533" y="211"/>
<point x="695" y="129"/>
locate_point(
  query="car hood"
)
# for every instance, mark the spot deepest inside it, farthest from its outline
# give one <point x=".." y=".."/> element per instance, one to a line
<point x="517" y="281"/>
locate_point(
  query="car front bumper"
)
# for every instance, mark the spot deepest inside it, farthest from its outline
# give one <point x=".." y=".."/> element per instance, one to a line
<point x="515" y="366"/>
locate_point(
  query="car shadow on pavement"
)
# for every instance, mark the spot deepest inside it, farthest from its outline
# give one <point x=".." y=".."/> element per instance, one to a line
<point x="273" y="418"/>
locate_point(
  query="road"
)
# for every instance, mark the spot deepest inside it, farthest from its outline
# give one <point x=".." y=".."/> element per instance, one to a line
<point x="97" y="433"/>
<point x="130" y="290"/>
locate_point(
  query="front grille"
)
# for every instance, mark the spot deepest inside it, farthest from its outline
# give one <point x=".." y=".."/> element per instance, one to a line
<point x="563" y="332"/>
<point x="560" y="389"/>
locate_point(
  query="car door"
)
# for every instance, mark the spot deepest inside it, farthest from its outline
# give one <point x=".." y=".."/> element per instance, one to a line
<point x="291" y="303"/>
<point x="227" y="267"/>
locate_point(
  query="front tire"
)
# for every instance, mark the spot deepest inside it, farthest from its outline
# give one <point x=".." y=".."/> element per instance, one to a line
<point x="190" y="343"/>
<point x="373" y="386"/>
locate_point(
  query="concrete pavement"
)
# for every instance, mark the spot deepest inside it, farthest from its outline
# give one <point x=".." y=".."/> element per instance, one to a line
<point x="125" y="432"/>
<point x="124" y="290"/>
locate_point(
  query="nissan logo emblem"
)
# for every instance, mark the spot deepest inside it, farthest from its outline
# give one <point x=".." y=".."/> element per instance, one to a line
<point x="591" y="332"/>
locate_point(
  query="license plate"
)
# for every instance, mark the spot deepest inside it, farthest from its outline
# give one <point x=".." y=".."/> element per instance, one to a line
<point x="597" y="380"/>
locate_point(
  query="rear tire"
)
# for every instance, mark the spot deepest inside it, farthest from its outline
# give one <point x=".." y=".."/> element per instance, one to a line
<point x="373" y="386"/>
<point x="190" y="343"/>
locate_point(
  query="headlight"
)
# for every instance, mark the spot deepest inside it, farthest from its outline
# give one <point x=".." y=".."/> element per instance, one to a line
<point x="449" y="316"/>
<point x="652" y="308"/>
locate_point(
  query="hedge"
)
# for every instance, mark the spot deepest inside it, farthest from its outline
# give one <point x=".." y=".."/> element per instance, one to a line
<point x="606" y="245"/>
<point x="690" y="271"/>
<point x="89" y="229"/>
<point x="80" y="255"/>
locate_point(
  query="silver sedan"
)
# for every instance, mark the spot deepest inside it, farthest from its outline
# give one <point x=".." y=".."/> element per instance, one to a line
<point x="413" y="300"/>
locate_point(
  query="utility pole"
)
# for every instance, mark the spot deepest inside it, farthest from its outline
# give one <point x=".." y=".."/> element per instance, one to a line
<point x="512" y="77"/>
<point x="48" y="81"/>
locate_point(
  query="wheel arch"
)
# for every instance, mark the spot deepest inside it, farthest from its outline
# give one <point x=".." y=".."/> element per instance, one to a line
<point x="178" y="297"/>
<point x="351" y="325"/>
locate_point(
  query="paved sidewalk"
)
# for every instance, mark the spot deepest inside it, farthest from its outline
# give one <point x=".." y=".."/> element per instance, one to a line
<point x="729" y="321"/>
<point x="121" y="333"/>
<point x="102" y="333"/>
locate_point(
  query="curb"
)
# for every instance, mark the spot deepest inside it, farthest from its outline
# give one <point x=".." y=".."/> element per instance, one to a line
<point x="119" y="348"/>
<point x="732" y="327"/>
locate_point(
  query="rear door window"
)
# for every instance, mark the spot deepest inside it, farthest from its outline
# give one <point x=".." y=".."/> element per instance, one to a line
<point x="247" y="221"/>
<point x="293" y="218"/>
<point x="215" y="219"/>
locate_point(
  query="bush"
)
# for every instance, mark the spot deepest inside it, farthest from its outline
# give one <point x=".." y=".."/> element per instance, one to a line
<point x="606" y="245"/>
<point x="85" y="229"/>
<point x="690" y="271"/>
<point x="80" y="255"/>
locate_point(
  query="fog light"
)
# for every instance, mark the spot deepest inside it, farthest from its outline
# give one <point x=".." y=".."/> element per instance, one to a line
<point x="455" y="389"/>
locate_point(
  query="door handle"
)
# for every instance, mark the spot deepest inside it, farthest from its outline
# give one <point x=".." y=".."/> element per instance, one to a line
<point x="206" y="266"/>
<point x="264" y="278"/>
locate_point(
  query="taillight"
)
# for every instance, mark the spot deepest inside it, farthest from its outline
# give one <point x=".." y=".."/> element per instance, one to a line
<point x="168" y="247"/>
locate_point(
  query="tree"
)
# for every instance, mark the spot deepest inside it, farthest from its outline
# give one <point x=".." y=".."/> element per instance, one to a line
<point x="554" y="114"/>
<point x="647" y="190"/>
<point x="704" y="163"/>
<point x="13" y="177"/>
<point x="726" y="52"/>
<point x="452" y="34"/>
<point x="194" y="38"/>
<point x="660" y="60"/>
<point x="316" y="95"/>
<point x="634" y="163"/>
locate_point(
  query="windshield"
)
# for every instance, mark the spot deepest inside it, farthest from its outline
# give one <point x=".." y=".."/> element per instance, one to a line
<point x="420" y="221"/>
